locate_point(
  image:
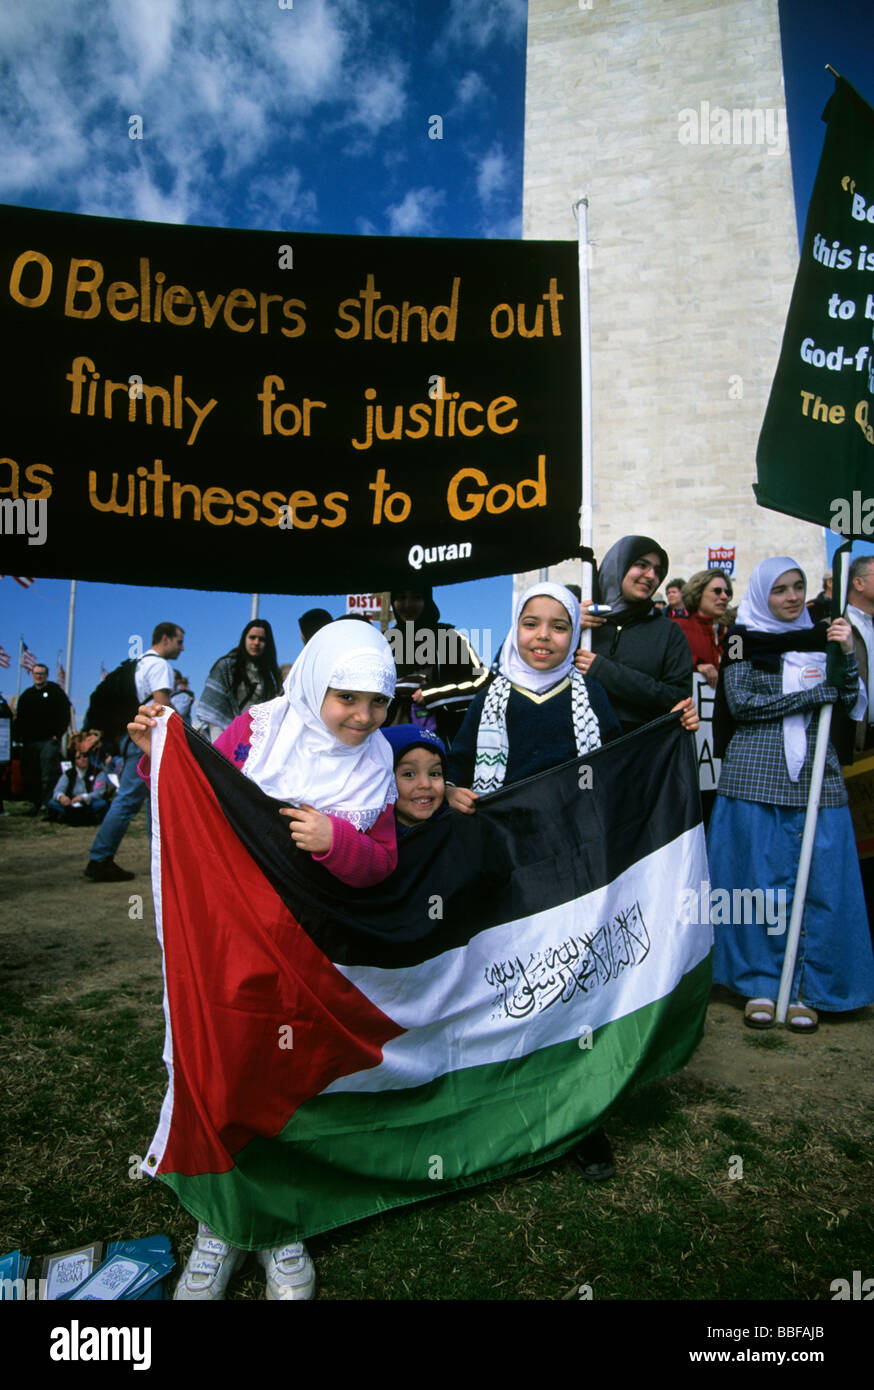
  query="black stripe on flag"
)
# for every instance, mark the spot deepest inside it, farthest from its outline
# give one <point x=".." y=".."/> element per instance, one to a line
<point x="530" y="847"/>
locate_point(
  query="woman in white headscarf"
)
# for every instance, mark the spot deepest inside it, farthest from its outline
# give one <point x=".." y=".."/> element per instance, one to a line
<point x="537" y="711"/>
<point x="774" y="675"/>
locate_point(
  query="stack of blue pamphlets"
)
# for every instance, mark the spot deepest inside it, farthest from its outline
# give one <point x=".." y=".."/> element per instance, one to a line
<point x="132" y="1269"/>
<point x="13" y="1267"/>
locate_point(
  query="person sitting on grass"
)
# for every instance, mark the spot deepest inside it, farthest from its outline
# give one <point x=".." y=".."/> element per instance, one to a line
<point x="82" y="793"/>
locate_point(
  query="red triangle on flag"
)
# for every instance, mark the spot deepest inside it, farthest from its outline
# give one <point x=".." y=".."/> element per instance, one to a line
<point x="261" y="1020"/>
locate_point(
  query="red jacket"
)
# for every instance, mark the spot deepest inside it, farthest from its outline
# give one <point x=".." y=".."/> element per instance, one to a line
<point x="701" y="636"/>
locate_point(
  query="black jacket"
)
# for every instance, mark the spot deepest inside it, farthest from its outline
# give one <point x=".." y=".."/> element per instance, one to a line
<point x="645" y="666"/>
<point x="41" y="714"/>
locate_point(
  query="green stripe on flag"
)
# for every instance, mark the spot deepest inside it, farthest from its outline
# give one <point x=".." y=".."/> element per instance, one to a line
<point x="348" y="1155"/>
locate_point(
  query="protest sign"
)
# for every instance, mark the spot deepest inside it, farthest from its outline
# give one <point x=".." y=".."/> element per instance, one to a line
<point x="276" y="411"/>
<point x="815" y="456"/>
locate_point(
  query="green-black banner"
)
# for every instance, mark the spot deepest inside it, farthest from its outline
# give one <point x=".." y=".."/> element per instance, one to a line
<point x="815" y="457"/>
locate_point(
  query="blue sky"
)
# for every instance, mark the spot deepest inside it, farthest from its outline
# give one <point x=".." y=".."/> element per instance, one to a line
<point x="312" y="118"/>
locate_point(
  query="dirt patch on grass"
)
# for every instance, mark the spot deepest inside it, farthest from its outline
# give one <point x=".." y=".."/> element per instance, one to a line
<point x="826" y="1074"/>
<point x="63" y="935"/>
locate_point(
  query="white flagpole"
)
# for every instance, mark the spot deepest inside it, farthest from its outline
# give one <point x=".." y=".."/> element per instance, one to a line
<point x="20" y="655"/>
<point x="823" y="729"/>
<point x="253" y="615"/>
<point x="581" y="209"/>
<point x="71" y="622"/>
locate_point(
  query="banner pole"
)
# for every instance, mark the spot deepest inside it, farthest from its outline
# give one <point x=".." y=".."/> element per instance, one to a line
<point x="799" y="898"/>
<point x="254" y="612"/>
<point x="800" y="894"/>
<point x="581" y="211"/>
<point x="71" y="622"/>
<point x="18" y="683"/>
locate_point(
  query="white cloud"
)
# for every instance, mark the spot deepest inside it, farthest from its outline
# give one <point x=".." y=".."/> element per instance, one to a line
<point x="493" y="173"/>
<point x="502" y="227"/>
<point x="217" y="85"/>
<point x="477" y="23"/>
<point x="379" y="97"/>
<point x="470" y="87"/>
<point x="414" y="216"/>
<point x="281" y="203"/>
<point x="144" y="33"/>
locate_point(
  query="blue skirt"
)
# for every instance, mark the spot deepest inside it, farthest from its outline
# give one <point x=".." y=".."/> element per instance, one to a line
<point x="753" y="845"/>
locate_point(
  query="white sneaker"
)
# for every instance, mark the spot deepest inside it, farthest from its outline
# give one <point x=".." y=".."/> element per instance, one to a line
<point x="290" y="1272"/>
<point x="210" y="1266"/>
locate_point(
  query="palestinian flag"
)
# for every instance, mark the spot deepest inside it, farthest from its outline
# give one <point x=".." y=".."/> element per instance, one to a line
<point x="333" y="1052"/>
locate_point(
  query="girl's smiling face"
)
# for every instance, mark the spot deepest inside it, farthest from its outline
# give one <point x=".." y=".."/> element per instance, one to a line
<point x="544" y="633"/>
<point x="421" y="787"/>
<point x="352" y="715"/>
<point x="786" y="598"/>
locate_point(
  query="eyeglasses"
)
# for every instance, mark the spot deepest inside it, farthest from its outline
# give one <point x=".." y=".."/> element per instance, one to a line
<point x="644" y="566"/>
<point x="727" y="592"/>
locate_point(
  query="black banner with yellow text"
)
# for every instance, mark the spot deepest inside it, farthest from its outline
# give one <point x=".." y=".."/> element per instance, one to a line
<point x="281" y="412"/>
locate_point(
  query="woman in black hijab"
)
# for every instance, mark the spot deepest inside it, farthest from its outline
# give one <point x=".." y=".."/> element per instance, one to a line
<point x="642" y="660"/>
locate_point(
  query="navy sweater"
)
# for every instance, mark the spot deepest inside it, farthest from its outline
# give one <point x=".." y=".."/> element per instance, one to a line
<point x="540" y="732"/>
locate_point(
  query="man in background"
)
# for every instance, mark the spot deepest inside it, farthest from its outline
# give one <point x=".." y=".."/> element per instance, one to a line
<point x="182" y="698"/>
<point x="674" y="591"/>
<point x="41" y="719"/>
<point x="821" y="606"/>
<point x="860" y="608"/>
<point x="154" y="682"/>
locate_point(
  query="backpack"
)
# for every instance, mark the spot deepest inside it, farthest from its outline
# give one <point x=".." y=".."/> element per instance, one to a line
<point x="115" y="701"/>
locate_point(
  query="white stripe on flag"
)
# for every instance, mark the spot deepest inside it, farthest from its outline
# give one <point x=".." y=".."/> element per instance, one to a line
<point x="481" y="1018"/>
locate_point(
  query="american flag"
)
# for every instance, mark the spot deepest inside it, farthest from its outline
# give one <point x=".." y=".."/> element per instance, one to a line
<point x="4" y="659"/>
<point x="28" y="660"/>
<point x="25" y="583"/>
<point x="60" y="673"/>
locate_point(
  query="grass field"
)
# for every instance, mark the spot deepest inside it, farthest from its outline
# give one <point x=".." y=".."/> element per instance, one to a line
<point x="81" y="1033"/>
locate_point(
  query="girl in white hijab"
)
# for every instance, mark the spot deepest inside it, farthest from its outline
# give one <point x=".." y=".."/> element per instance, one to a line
<point x="317" y="745"/>
<point x="772" y="679"/>
<point x="305" y="748"/>
<point x="538" y="711"/>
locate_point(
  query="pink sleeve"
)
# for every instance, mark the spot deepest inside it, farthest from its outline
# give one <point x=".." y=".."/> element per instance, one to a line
<point x="233" y="743"/>
<point x="358" y="858"/>
<point x="236" y="739"/>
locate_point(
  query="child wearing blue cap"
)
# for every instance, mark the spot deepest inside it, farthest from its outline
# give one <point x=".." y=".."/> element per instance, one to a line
<point x="420" y="775"/>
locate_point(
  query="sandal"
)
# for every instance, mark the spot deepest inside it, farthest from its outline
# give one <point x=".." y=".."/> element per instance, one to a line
<point x="801" y="1019"/>
<point x="760" y="1013"/>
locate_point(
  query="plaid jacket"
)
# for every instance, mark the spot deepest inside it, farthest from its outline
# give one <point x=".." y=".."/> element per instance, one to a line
<point x="754" y="766"/>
